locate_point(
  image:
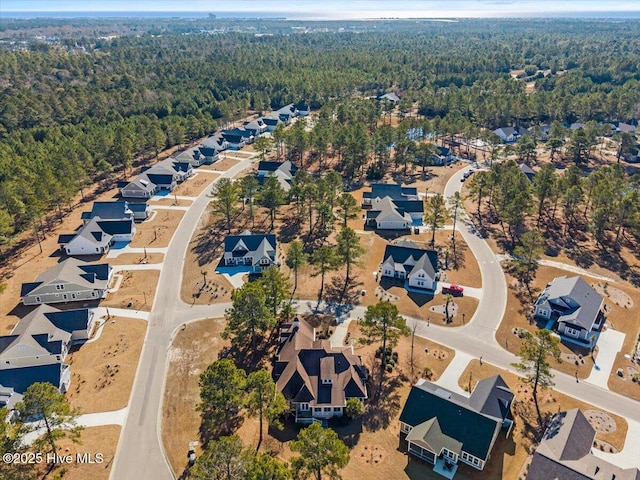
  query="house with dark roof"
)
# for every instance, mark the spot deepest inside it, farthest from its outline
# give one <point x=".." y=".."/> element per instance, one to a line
<point x="528" y="171"/>
<point x="257" y="127"/>
<point x="140" y="210"/>
<point x="443" y="157"/>
<point x="572" y="307"/>
<point x="90" y="239"/>
<point x="238" y="138"/>
<point x="212" y="146"/>
<point x="303" y="109"/>
<point x="392" y="190"/>
<point x="565" y="453"/>
<point x="282" y="171"/>
<point x="315" y="377"/>
<point x="76" y="324"/>
<point x="119" y="210"/>
<point x="256" y="250"/>
<point x="164" y="175"/>
<point x="390" y="97"/>
<point x="21" y="378"/>
<point x="511" y="134"/>
<point x="392" y="207"/>
<point x="71" y="280"/>
<point x="286" y="114"/>
<point x="406" y="261"/>
<point x="140" y="187"/>
<point x="271" y="121"/>
<point x="443" y="428"/>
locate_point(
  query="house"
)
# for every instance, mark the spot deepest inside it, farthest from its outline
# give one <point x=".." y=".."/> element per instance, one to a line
<point x="391" y="190"/>
<point x="565" y="452"/>
<point x="388" y="214"/>
<point x="179" y="171"/>
<point x="141" y="187"/>
<point x="77" y="324"/>
<point x="257" y="250"/>
<point x="622" y="127"/>
<point x="316" y="378"/>
<point x="443" y="428"/>
<point x="212" y="146"/>
<point x="71" y="280"/>
<point x="443" y="157"/>
<point x="271" y="121"/>
<point x="90" y="239"/>
<point x="528" y="171"/>
<point x="573" y="308"/>
<point x="287" y="113"/>
<point x="406" y="261"/>
<point x="21" y="378"/>
<point x="119" y="210"/>
<point x="256" y="127"/>
<point x="140" y="210"/>
<point x="282" y="171"/>
<point x="238" y="137"/>
<point x="511" y="134"/>
<point x="303" y="109"/>
<point x="26" y="350"/>
<point x="390" y="97"/>
<point x="9" y="397"/>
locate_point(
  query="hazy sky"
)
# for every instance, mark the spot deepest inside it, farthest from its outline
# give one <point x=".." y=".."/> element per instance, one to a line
<point x="337" y="8"/>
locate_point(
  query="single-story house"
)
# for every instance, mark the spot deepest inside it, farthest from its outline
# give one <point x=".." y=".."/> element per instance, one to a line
<point x="90" y="239"/>
<point x="164" y="175"/>
<point x="303" y="109"/>
<point x="392" y="190"/>
<point x="212" y="147"/>
<point x="258" y="250"/>
<point x="388" y="214"/>
<point x="406" y="261"/>
<point x="271" y="121"/>
<point x="315" y="377"/>
<point x="565" y="453"/>
<point x="141" y="187"/>
<point x="21" y="378"/>
<point x="282" y="171"/>
<point x="71" y="280"/>
<point x="238" y="137"/>
<point x="119" y="210"/>
<point x="287" y="113"/>
<point x="442" y="428"/>
<point x="77" y="323"/>
<point x="511" y="134"/>
<point x="573" y="308"/>
<point x="257" y="127"/>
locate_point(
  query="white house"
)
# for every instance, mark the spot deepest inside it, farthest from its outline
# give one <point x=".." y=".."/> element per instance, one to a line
<point x="406" y="261"/>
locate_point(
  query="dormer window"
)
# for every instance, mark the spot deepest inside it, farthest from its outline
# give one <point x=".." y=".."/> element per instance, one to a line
<point x="60" y="287"/>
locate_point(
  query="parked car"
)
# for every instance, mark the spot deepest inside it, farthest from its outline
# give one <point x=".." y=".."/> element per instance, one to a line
<point x="453" y="289"/>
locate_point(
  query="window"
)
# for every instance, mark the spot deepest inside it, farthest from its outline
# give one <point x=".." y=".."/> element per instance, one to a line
<point x="572" y="332"/>
<point x="59" y="287"/>
<point x="337" y="409"/>
<point x="73" y="295"/>
<point x="304" y="407"/>
<point x="38" y="299"/>
<point x="327" y="409"/>
<point x="93" y="294"/>
<point x="405" y="428"/>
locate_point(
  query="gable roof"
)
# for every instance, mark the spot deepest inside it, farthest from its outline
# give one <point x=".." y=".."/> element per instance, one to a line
<point x="492" y="397"/>
<point x="402" y="252"/>
<point x="579" y="291"/>
<point x="70" y="271"/>
<point x="456" y="418"/>
<point x="254" y="242"/>
<point x="394" y="191"/>
<point x="110" y="210"/>
<point x="565" y="453"/>
<point x="57" y="323"/>
<point x="22" y="378"/>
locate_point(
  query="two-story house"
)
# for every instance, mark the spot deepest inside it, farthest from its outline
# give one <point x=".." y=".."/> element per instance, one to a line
<point x="256" y="250"/>
<point x="406" y="261"/>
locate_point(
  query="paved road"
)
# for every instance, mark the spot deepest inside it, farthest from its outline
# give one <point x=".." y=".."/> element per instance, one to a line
<point x="139" y="454"/>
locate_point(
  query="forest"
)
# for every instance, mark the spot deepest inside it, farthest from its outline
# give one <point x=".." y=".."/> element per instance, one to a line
<point x="88" y="107"/>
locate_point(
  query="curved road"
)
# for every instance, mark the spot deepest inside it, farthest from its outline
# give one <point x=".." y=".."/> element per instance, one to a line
<point x="139" y="455"/>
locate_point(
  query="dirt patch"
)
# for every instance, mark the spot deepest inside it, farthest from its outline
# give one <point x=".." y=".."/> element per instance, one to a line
<point x="600" y="421"/>
<point x="615" y="295"/>
<point x="194" y="348"/>
<point x="136" y="259"/>
<point x="94" y="440"/>
<point x="550" y="402"/>
<point x="158" y="231"/>
<point x="102" y="371"/>
<point x="137" y="290"/>
<point x="195" y="185"/>
<point x="225" y="164"/>
<point x="171" y="201"/>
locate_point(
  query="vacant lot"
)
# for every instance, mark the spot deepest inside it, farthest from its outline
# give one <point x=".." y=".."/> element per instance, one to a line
<point x="194" y="348"/>
<point x="158" y="231"/>
<point x="194" y="186"/>
<point x="171" y="201"/>
<point x="102" y="371"/>
<point x="137" y="290"/>
<point x="102" y="440"/>
<point x="136" y="259"/>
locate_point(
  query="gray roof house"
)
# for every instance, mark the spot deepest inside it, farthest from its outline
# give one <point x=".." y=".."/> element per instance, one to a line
<point x="316" y="378"/>
<point x="90" y="239"/>
<point x="442" y="428"/>
<point x="257" y="127"/>
<point x="528" y="171"/>
<point x="76" y="324"/>
<point x="119" y="210"/>
<point x="405" y="261"/>
<point x="565" y="453"/>
<point x="282" y="171"/>
<point x="573" y="308"/>
<point x="392" y="207"/>
<point x="510" y="134"/>
<point x="71" y="280"/>
<point x="141" y="187"/>
<point x="20" y="378"/>
<point x="255" y="250"/>
<point x="391" y="97"/>
<point x="164" y="175"/>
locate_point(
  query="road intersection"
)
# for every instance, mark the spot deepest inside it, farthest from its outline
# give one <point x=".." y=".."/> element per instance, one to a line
<point x="140" y="454"/>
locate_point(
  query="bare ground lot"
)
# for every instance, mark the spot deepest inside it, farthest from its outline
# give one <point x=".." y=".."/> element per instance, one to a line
<point x="93" y="440"/>
<point x="194" y="186"/>
<point x="224" y="164"/>
<point x="102" y="371"/>
<point x="170" y="201"/>
<point x="192" y="351"/>
<point x="137" y="259"/>
<point x="137" y="290"/>
<point x="158" y="231"/>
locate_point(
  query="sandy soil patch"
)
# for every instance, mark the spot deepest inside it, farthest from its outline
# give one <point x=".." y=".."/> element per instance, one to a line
<point x="136" y="259"/>
<point x="550" y="402"/>
<point x="171" y="201"/>
<point x="193" y="350"/>
<point x="137" y="290"/>
<point x="158" y="231"/>
<point x="196" y="185"/>
<point x="102" y="372"/>
<point x="103" y="440"/>
<point x="225" y="164"/>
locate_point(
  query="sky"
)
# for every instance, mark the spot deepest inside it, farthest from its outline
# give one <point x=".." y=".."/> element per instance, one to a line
<point x="338" y="8"/>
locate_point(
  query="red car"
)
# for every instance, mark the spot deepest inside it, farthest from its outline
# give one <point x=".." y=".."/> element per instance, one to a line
<point x="453" y="289"/>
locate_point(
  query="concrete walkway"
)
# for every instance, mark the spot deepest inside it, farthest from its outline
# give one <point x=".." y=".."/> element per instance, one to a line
<point x="235" y="280"/>
<point x="121" y="312"/>
<point x="340" y="333"/>
<point x="628" y="457"/>
<point x="449" y="378"/>
<point x="170" y="207"/>
<point x="610" y="343"/>
<point x="137" y="266"/>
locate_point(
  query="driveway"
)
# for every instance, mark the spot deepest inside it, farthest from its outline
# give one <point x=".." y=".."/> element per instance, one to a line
<point x="610" y="343"/>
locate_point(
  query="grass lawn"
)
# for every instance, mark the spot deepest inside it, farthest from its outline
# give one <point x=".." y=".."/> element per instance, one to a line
<point x="102" y="371"/>
<point x="137" y="290"/>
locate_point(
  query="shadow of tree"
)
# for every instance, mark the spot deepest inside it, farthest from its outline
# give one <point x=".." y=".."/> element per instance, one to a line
<point x="385" y="402"/>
